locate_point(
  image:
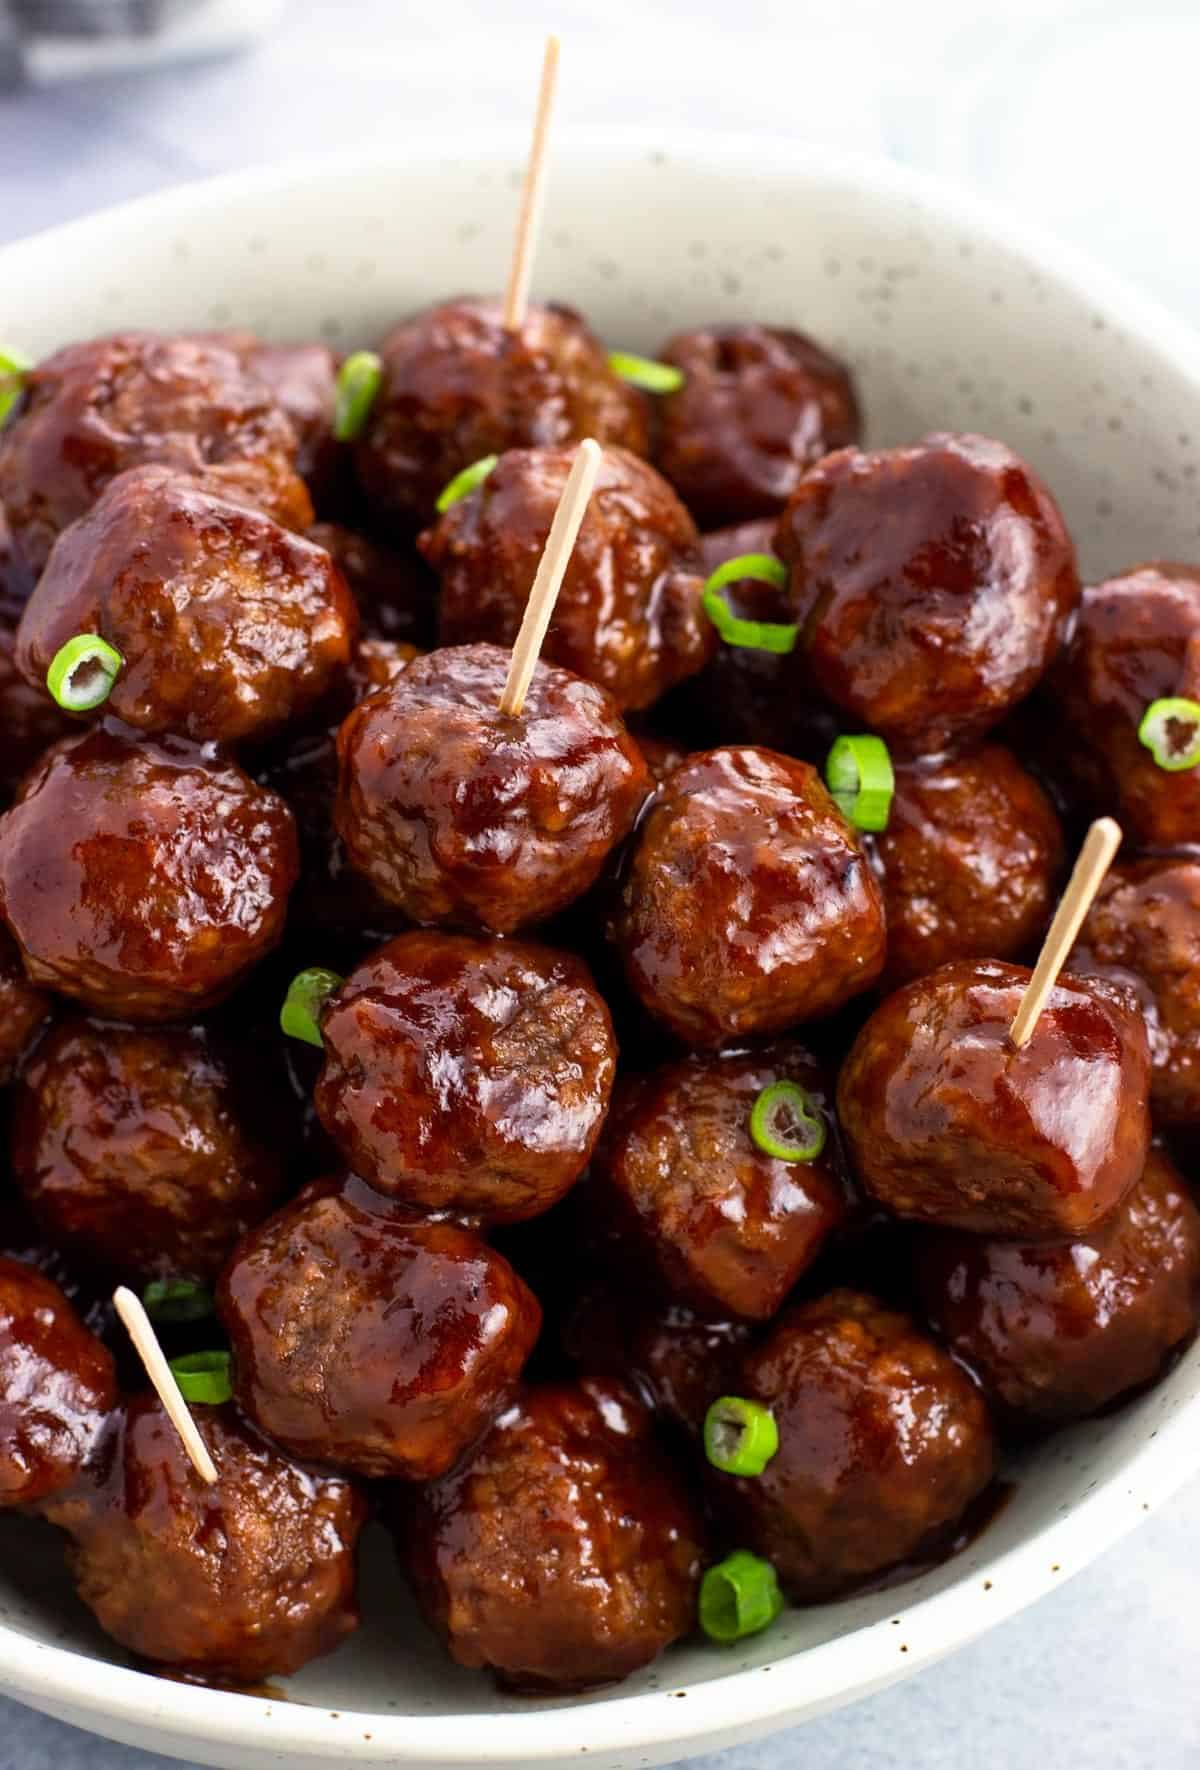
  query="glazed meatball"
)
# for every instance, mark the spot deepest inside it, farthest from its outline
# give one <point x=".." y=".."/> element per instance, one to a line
<point x="467" y="1075"/>
<point x="759" y="404"/>
<point x="235" y="1583"/>
<point x="931" y="585"/>
<point x="883" y="1443"/>
<point x="458" y="813"/>
<point x="16" y="581"/>
<point x="24" y="1009"/>
<point x="396" y="592"/>
<point x="93" y="410"/>
<point x="629" y="614"/>
<point x="949" y="1123"/>
<point x="1056" y="1331"/>
<point x="458" y="386"/>
<point x="57" y="1387"/>
<point x="29" y="719"/>
<point x="371" y="1341"/>
<point x="143" y="876"/>
<point x="303" y="380"/>
<point x="138" y="1149"/>
<point x="970" y="862"/>
<point x="229" y="625"/>
<point x="747" y="903"/>
<point x="565" y="1552"/>
<point x="720" y="1223"/>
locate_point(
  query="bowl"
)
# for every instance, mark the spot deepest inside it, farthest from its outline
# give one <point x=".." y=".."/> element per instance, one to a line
<point x="953" y="317"/>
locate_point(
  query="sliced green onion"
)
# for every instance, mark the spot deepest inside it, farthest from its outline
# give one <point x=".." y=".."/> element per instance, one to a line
<point x="1170" y="730"/>
<point x="13" y="370"/>
<point x="204" y="1377"/>
<point x="358" y="383"/>
<point x="300" y="1016"/>
<point x="82" y="672"/>
<point x="465" y="482"/>
<point x="740" y="1436"/>
<point x="764" y="568"/>
<point x="177" y="1299"/>
<point x="740" y="1596"/>
<point x="858" y="771"/>
<point x="644" y="372"/>
<point x="786" y="1124"/>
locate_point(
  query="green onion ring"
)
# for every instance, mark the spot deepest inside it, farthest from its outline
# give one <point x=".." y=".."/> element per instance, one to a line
<point x="644" y="372"/>
<point x="774" y="636"/>
<point x="465" y="482"/>
<point x="358" y="383"/>
<point x="858" y="772"/>
<point x="204" y="1377"/>
<point x="82" y="672"/>
<point x="1163" y="731"/>
<point x="740" y="1436"/>
<point x="801" y="1140"/>
<point x="13" y="370"/>
<point x="740" y="1596"/>
<point x="308" y="992"/>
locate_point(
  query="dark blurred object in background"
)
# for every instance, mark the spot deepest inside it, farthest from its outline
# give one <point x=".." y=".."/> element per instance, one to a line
<point x="69" y="39"/>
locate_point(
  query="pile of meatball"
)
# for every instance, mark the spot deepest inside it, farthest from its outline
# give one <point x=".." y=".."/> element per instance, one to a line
<point x="489" y="1245"/>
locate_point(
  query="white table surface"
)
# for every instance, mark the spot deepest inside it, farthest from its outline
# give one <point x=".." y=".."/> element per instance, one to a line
<point x="1081" y="112"/>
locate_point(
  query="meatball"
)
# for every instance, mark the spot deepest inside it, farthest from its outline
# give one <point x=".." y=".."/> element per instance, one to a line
<point x="303" y="380"/>
<point x="236" y="1583"/>
<point x="93" y="410"/>
<point x="720" y="1223"/>
<point x="29" y="719"/>
<point x="467" y="1075"/>
<point x="629" y="614"/>
<point x="143" y="876"/>
<point x="931" y="585"/>
<point x="229" y="625"/>
<point x="565" y="1552"/>
<point x="458" y="386"/>
<point x="758" y="405"/>
<point x="138" y="1150"/>
<point x="949" y="1123"/>
<point x="396" y="592"/>
<point x="1056" y="1331"/>
<point x="57" y="1387"/>
<point x="24" y="1009"/>
<point x="970" y="862"/>
<point x="458" y="813"/>
<point x="883" y="1443"/>
<point x="747" y="903"/>
<point x="16" y="580"/>
<point x="372" y="1342"/>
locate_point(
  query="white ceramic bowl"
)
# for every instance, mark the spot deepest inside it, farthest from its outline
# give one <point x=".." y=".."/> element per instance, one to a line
<point x="952" y="318"/>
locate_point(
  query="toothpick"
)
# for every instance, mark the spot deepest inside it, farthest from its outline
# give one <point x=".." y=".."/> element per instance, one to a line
<point x="129" y="1308"/>
<point x="552" y="567"/>
<point x="516" y="296"/>
<point x="1095" y="858"/>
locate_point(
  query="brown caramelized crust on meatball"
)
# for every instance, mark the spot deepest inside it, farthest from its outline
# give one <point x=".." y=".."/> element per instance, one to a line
<point x="747" y="903"/>
<point x="467" y="1075"/>
<point x="395" y="590"/>
<point x="370" y="1341"/>
<point x="93" y="410"/>
<point x="949" y="1123"/>
<point x="758" y="405"/>
<point x="246" y="1580"/>
<point x="57" y="1386"/>
<point x="723" y="1225"/>
<point x="458" y="813"/>
<point x="1056" y="1331"/>
<point x="970" y="862"/>
<point x="138" y="1149"/>
<point x="24" y="1009"/>
<point x="143" y="876"/>
<point x="457" y="385"/>
<point x="228" y="624"/>
<point x="565" y="1552"/>
<point x="29" y="720"/>
<point x="303" y="379"/>
<point x="629" y="614"/>
<point x="883" y="1443"/>
<point x="931" y="585"/>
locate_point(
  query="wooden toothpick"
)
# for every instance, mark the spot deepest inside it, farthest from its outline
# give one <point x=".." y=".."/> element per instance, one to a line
<point x="1095" y="858"/>
<point x="516" y="296"/>
<point x="552" y="567"/>
<point x="137" y="1322"/>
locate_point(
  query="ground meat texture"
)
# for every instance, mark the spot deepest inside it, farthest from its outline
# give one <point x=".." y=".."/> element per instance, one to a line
<point x="303" y="379"/>
<point x="143" y="876"/>
<point x="29" y="719"/>
<point x="94" y="409"/>
<point x="24" y="1009"/>
<point x="883" y="1443"/>
<point x="458" y="813"/>
<point x="467" y="1075"/>
<point x="395" y="590"/>
<point x="629" y="614"/>
<point x="565" y="1552"/>
<point x="458" y="386"/>
<point x="948" y="1123"/>
<point x="229" y="625"/>
<point x="1057" y="1331"/>
<point x="57" y="1386"/>
<point x="970" y="862"/>
<point x="758" y="405"/>
<point x="243" y="1581"/>
<point x="931" y="585"/>
<point x="747" y="903"/>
